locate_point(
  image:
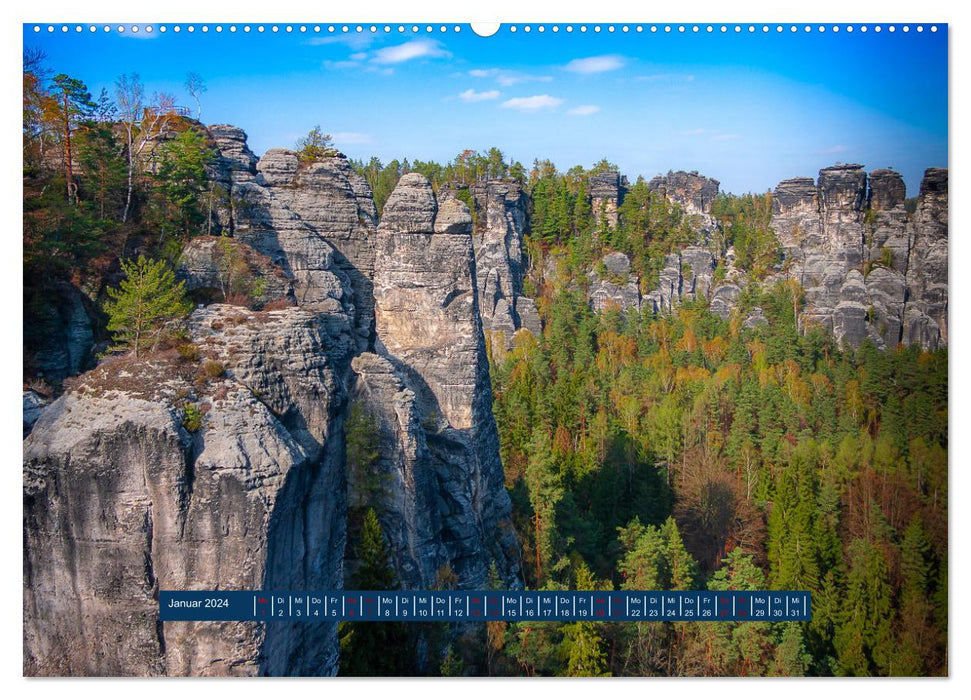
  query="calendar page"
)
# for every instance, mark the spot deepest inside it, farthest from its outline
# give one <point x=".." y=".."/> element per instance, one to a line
<point x="450" y="350"/>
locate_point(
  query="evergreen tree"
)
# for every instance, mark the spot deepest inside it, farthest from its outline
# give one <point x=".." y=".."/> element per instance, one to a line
<point x="314" y="146"/>
<point x="75" y="107"/>
<point x="147" y="299"/>
<point x="864" y="640"/>
<point x="182" y="182"/>
<point x="375" y="648"/>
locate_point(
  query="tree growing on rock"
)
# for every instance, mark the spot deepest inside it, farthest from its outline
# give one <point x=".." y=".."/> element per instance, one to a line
<point x="314" y="146"/>
<point x="147" y="299"/>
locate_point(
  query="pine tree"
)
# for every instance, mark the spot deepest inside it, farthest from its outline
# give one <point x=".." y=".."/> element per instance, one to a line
<point x="181" y="180"/>
<point x="791" y="658"/>
<point x="147" y="299"/>
<point x="545" y="486"/>
<point x="374" y="648"/>
<point x="314" y="146"/>
<point x="75" y="106"/>
<point x="864" y="640"/>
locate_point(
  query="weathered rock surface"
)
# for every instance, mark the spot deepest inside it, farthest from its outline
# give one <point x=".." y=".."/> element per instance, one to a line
<point x="606" y="195"/>
<point x="59" y="335"/>
<point x="617" y="289"/>
<point x="497" y="239"/>
<point x="870" y="270"/>
<point x="34" y="405"/>
<point x="724" y="298"/>
<point x="694" y="193"/>
<point x="216" y="267"/>
<point x="428" y="328"/>
<point x="686" y="275"/>
<point x="314" y="220"/>
<point x="120" y="500"/>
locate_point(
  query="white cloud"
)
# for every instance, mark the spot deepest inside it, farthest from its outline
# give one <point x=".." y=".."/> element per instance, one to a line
<point x="350" y="137"/>
<point x="359" y="56"/>
<point x="507" y="78"/>
<point x="533" y="103"/>
<point x="692" y="132"/>
<point x="595" y="64"/>
<point x="583" y="110"/>
<point x="421" y="48"/>
<point x="471" y="95"/>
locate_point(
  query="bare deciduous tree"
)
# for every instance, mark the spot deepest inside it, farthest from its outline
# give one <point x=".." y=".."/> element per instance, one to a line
<point x="196" y="86"/>
<point x="143" y="123"/>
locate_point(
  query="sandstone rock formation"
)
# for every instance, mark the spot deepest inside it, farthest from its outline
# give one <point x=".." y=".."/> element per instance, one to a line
<point x="228" y="471"/>
<point x="606" y="195"/>
<point x="870" y="270"/>
<point x="315" y="220"/>
<point x="694" y="193"/>
<point x="121" y="500"/>
<point x="216" y="267"/>
<point x="497" y="239"/>
<point x="33" y="406"/>
<point x="59" y="335"/>
<point x="429" y="331"/>
<point x="686" y="275"/>
<point x="617" y="288"/>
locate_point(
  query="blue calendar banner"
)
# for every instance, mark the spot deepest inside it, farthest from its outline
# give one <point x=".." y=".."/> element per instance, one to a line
<point x="485" y="606"/>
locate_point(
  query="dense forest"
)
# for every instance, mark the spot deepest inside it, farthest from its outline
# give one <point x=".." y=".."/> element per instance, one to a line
<point x="640" y="451"/>
<point x="688" y="452"/>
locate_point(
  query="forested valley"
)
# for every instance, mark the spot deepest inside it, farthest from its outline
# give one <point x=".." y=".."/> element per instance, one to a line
<point x="641" y="451"/>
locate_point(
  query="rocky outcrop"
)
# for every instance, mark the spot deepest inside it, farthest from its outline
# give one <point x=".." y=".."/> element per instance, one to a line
<point x="615" y="287"/>
<point x="429" y="331"/>
<point x="724" y="299"/>
<point x="221" y="464"/>
<point x="925" y="315"/>
<point x="694" y="193"/>
<point x="34" y="405"/>
<point x="314" y="220"/>
<point x="606" y="191"/>
<point x="870" y="270"/>
<point x="126" y="491"/>
<point x="686" y="275"/>
<point x="59" y="335"/>
<point x="214" y="268"/>
<point x="497" y="239"/>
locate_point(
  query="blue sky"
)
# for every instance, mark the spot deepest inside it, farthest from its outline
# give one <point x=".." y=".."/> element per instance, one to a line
<point x="746" y="109"/>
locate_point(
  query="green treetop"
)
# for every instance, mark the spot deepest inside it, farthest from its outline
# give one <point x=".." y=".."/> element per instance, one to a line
<point x="143" y="303"/>
<point x="314" y="146"/>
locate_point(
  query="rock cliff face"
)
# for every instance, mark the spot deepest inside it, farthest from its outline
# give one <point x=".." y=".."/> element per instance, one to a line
<point x="497" y="239"/>
<point x="429" y="334"/>
<point x="870" y="269"/>
<point x="216" y="267"/>
<point x="59" y="335"/>
<point x="121" y="500"/>
<point x="315" y="220"/>
<point x="225" y="466"/>
<point x="694" y="193"/>
<point x="606" y="195"/>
